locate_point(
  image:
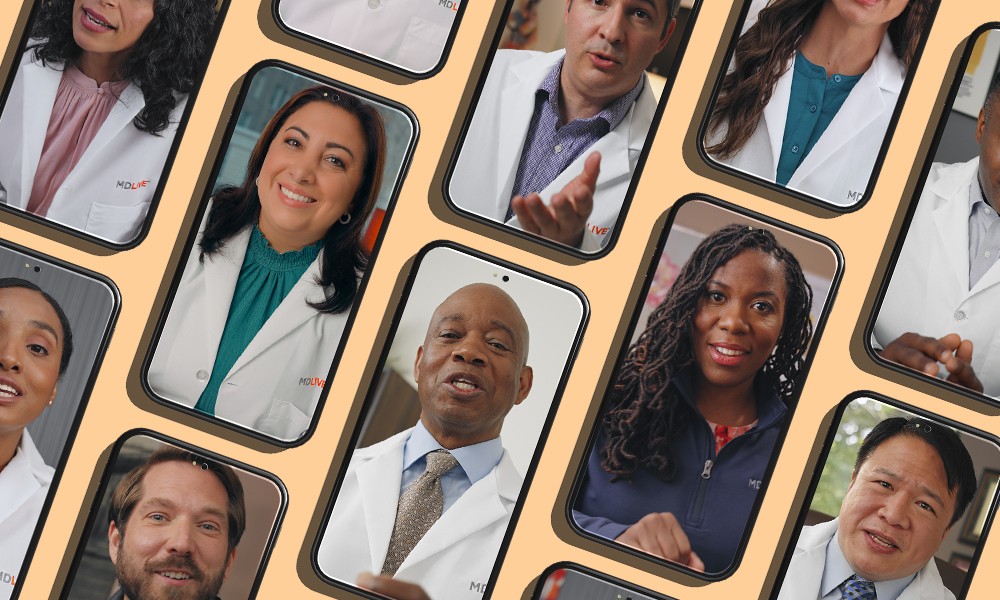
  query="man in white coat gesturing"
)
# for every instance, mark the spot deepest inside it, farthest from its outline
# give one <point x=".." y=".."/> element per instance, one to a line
<point x="912" y="480"/>
<point x="556" y="136"/>
<point x="422" y="514"/>
<point x="939" y="315"/>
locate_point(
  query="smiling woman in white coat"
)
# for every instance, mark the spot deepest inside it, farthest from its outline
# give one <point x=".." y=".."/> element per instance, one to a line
<point x="94" y="108"/>
<point x="811" y="90"/>
<point x="35" y="346"/>
<point x="264" y="298"/>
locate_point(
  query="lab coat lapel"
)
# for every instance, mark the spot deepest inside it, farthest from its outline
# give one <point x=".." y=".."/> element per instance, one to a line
<point x="775" y="114"/>
<point x="222" y="269"/>
<point x="951" y="222"/>
<point x="124" y="111"/>
<point x="22" y="480"/>
<point x="292" y="312"/>
<point x="40" y="87"/>
<point x="864" y="104"/>
<point x="378" y="483"/>
<point x="480" y="506"/>
<point x="516" y="109"/>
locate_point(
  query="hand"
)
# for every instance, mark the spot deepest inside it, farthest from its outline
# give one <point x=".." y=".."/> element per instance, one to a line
<point x="660" y="534"/>
<point x="564" y="219"/>
<point x="923" y="354"/>
<point x="392" y="588"/>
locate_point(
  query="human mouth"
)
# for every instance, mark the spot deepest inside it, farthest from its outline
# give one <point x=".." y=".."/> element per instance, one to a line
<point x="882" y="542"/>
<point x="8" y="389"/>
<point x="176" y="575"/>
<point x="296" y="197"/>
<point x="465" y="383"/>
<point x="727" y="354"/>
<point x="95" y="22"/>
<point x="603" y="60"/>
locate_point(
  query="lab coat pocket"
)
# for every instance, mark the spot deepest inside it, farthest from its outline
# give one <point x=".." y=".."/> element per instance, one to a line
<point x="423" y="44"/>
<point x="116" y="223"/>
<point x="284" y="421"/>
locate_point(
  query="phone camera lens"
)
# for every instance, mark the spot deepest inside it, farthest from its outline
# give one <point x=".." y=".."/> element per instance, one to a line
<point x="506" y="279"/>
<point x="37" y="269"/>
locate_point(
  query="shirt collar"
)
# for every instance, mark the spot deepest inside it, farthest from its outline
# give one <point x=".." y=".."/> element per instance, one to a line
<point x="476" y="460"/>
<point x="836" y="570"/>
<point x="770" y="408"/>
<point x="612" y="114"/>
<point x="977" y="201"/>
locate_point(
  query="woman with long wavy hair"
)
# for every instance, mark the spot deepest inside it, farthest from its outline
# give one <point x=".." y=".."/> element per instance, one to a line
<point x="698" y="403"/>
<point x="811" y="90"/>
<point x="94" y="108"/>
<point x="264" y="297"/>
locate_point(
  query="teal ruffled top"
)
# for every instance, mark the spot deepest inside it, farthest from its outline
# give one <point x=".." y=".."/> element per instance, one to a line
<point x="265" y="279"/>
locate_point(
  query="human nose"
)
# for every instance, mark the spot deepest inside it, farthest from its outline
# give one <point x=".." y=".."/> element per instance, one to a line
<point x="472" y="350"/>
<point x="613" y="25"/>
<point x="9" y="360"/>
<point x="302" y="170"/>
<point x="894" y="510"/>
<point x="180" y="539"/>
<point x="734" y="320"/>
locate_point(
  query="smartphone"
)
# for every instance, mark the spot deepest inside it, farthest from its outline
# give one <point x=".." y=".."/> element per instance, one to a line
<point x="903" y="497"/>
<point x="941" y="281"/>
<point x="476" y="359"/>
<point x="214" y="518"/>
<point x="570" y="581"/>
<point x="279" y="226"/>
<point x="56" y="320"/>
<point x="409" y="38"/>
<point x="95" y="139"/>
<point x="733" y="307"/>
<point x="796" y="129"/>
<point x="510" y="145"/>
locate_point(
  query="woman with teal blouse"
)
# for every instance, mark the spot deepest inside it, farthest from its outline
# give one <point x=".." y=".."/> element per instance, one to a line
<point x="811" y="91"/>
<point x="261" y="306"/>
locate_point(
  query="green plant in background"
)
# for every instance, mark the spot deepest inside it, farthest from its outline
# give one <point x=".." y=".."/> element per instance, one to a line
<point x="859" y="418"/>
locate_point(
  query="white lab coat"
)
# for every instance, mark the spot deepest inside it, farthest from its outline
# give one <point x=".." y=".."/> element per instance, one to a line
<point x="274" y="386"/>
<point x="24" y="483"/>
<point x="108" y="193"/>
<point x="483" y="179"/>
<point x="805" y="572"/>
<point x="929" y="291"/>
<point x="410" y="34"/>
<point x="838" y="167"/>
<point x="453" y="561"/>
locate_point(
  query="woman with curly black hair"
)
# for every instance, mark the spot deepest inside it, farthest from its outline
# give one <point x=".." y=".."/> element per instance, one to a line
<point x="811" y="90"/>
<point x="95" y="106"/>
<point x="698" y="403"/>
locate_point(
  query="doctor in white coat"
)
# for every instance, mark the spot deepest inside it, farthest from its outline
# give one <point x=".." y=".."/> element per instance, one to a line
<point x="875" y="41"/>
<point x="410" y="34"/>
<point x="912" y="480"/>
<point x="940" y="314"/>
<point x="89" y="75"/>
<point x="265" y="294"/>
<point x="608" y="48"/>
<point x="35" y="347"/>
<point x="470" y="372"/>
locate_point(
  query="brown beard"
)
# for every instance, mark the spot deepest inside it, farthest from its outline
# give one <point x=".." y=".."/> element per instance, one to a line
<point x="135" y="579"/>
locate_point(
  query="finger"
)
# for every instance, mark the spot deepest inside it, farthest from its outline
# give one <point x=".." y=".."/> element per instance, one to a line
<point x="681" y="542"/>
<point x="591" y="170"/>
<point x="393" y="588"/>
<point x="544" y="221"/>
<point x="695" y="562"/>
<point x="519" y="205"/>
<point x="951" y="341"/>
<point x="565" y="211"/>
<point x="964" y="351"/>
<point x="917" y="352"/>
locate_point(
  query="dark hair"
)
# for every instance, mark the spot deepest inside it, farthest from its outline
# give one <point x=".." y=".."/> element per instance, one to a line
<point x="992" y="94"/>
<point x="129" y="490"/>
<point x="164" y="63"/>
<point x="763" y="53"/>
<point x="644" y="415"/>
<point x="344" y="255"/>
<point x="67" y="341"/>
<point x="958" y="467"/>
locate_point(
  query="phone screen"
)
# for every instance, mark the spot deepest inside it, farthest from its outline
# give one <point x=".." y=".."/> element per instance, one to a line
<point x="475" y="365"/>
<point x="568" y="581"/>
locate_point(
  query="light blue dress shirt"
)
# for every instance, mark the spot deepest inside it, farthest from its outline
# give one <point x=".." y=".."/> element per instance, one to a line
<point x="474" y="463"/>
<point x="836" y="570"/>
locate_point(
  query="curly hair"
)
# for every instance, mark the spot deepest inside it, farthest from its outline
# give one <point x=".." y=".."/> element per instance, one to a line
<point x="762" y="56"/>
<point x="643" y="414"/>
<point x="344" y="254"/>
<point x="164" y="63"/>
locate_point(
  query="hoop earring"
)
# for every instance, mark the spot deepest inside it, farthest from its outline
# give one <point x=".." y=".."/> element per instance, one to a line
<point x="256" y="181"/>
<point x="343" y="221"/>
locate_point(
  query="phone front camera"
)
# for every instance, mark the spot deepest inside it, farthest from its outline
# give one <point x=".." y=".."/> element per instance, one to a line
<point x="506" y="279"/>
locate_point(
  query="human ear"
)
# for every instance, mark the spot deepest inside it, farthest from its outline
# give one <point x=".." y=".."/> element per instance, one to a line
<point x="114" y="541"/>
<point x="525" y="380"/>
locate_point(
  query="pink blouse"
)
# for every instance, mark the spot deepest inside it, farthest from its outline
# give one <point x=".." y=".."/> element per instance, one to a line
<point x="80" y="109"/>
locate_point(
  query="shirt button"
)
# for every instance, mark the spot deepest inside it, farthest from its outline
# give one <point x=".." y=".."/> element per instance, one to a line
<point x="812" y="108"/>
<point x="202" y="375"/>
<point x="960" y="315"/>
<point x="987" y="254"/>
<point x="373" y="4"/>
<point x="795" y="149"/>
<point x="558" y="148"/>
<point x="988" y="211"/>
<point x="837" y="78"/>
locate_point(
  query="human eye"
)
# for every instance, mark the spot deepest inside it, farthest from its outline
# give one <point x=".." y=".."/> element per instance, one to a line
<point x="157" y="517"/>
<point x="335" y="161"/>
<point x="763" y="306"/>
<point x="499" y="345"/>
<point x="449" y="334"/>
<point x="883" y="484"/>
<point x="715" y="296"/>
<point x="926" y="506"/>
<point x="293" y="142"/>
<point x="211" y="527"/>
<point x="642" y="14"/>
<point x="38" y="349"/>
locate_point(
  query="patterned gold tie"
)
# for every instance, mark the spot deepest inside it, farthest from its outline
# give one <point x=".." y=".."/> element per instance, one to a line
<point x="419" y="507"/>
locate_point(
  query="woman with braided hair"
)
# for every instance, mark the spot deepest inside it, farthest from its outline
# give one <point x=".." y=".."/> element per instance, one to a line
<point x="698" y="403"/>
<point x="811" y="91"/>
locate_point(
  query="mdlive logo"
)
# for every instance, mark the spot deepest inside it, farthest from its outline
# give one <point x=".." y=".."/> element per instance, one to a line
<point x="133" y="185"/>
<point x="448" y="4"/>
<point x="8" y="578"/>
